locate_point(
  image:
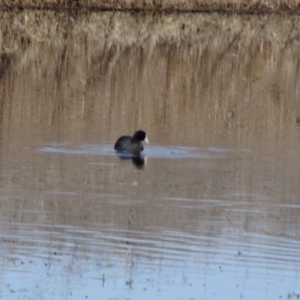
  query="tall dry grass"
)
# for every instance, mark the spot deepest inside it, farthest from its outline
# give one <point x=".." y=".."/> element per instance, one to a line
<point x="184" y="72"/>
<point x="18" y="29"/>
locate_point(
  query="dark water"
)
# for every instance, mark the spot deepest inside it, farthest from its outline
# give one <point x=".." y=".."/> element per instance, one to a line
<point x="211" y="208"/>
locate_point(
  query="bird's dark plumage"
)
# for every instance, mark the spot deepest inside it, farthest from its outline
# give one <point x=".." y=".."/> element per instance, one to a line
<point x="131" y="144"/>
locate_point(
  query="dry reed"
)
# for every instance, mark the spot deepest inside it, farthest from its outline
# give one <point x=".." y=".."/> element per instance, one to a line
<point x="220" y="44"/>
<point x="121" y="30"/>
<point x="213" y="57"/>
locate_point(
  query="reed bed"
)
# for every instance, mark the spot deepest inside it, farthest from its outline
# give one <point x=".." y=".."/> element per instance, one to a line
<point x="176" y="72"/>
<point x="149" y="30"/>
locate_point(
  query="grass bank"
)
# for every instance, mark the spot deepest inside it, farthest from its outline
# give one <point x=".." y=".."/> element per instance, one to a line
<point x="242" y="6"/>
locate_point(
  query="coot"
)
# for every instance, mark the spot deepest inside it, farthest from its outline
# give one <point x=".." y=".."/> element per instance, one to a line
<point x="131" y="144"/>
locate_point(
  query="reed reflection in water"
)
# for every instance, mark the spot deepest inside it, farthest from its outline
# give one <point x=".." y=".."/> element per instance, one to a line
<point x="214" y="211"/>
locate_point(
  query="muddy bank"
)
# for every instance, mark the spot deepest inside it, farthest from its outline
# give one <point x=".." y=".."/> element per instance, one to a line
<point x="231" y="6"/>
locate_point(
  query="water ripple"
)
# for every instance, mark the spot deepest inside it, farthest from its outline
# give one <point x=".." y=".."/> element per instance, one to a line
<point x="150" y="151"/>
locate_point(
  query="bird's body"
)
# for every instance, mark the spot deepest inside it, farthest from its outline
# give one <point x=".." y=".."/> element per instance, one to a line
<point x="131" y="144"/>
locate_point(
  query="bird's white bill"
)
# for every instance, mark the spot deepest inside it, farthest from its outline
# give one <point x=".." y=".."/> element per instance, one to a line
<point x="146" y="140"/>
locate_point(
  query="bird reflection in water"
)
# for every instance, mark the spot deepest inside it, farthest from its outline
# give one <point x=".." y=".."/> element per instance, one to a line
<point x="137" y="159"/>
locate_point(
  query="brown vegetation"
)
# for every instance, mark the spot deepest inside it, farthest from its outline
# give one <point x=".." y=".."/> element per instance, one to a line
<point x="190" y="69"/>
<point x="252" y="6"/>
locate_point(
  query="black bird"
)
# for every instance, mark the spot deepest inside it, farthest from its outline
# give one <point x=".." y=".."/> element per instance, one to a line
<point x="131" y="144"/>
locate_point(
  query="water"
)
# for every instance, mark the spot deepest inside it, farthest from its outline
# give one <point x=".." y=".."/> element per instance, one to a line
<point x="211" y="208"/>
<point x="133" y="233"/>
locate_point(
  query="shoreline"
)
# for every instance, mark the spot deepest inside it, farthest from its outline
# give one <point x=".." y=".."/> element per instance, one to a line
<point x="172" y="6"/>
